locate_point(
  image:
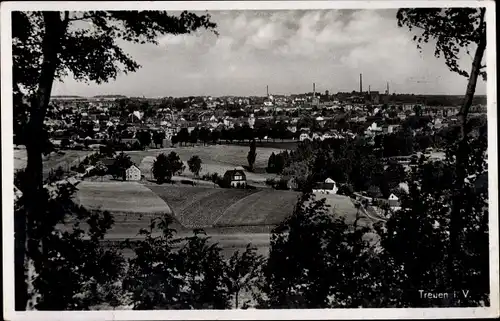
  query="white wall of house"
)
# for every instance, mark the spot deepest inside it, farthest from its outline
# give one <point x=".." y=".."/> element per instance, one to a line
<point x="133" y="174"/>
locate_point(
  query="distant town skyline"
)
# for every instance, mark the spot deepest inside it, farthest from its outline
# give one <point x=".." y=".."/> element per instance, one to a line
<point x="287" y="51"/>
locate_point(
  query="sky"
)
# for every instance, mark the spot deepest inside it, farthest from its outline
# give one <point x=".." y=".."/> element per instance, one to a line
<point x="286" y="50"/>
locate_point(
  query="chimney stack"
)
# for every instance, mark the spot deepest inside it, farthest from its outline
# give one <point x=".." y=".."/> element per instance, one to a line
<point x="314" y="90"/>
<point x="387" y="88"/>
<point x="369" y="89"/>
<point x="267" y="90"/>
<point x="360" y="83"/>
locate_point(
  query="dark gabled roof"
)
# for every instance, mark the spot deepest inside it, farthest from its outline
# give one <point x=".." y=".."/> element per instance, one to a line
<point x="133" y="166"/>
<point x="325" y="186"/>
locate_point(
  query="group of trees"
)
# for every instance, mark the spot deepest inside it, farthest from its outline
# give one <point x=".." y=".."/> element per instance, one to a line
<point x="166" y="166"/>
<point x="146" y="137"/>
<point x="401" y="143"/>
<point x="343" y="160"/>
<point x="196" y="135"/>
<point x="237" y="133"/>
<point x="277" y="162"/>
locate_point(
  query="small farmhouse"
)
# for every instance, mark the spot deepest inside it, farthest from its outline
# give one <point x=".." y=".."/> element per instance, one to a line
<point x="394" y="202"/>
<point x="235" y="178"/>
<point x="327" y="187"/>
<point x="133" y="173"/>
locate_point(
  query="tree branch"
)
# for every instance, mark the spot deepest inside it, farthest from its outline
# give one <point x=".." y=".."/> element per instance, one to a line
<point x="65" y="21"/>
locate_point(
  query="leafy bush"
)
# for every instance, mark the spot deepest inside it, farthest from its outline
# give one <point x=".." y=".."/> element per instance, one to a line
<point x="73" y="266"/>
<point x="194" y="277"/>
<point x="270" y="182"/>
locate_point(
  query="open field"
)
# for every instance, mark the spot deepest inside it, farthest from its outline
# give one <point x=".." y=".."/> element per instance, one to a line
<point x="340" y="205"/>
<point x="267" y="207"/>
<point x="232" y="218"/>
<point x="120" y="197"/>
<point x="199" y="206"/>
<point x="70" y="158"/>
<point x="147" y="162"/>
<point x="131" y="204"/>
<point x="215" y="159"/>
<point x="288" y="144"/>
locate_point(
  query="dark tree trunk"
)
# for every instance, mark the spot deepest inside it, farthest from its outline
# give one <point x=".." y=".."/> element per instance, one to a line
<point x="33" y="194"/>
<point x="462" y="156"/>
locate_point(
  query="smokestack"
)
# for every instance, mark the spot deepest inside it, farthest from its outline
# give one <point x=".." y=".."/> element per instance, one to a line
<point x="314" y="90"/>
<point x="267" y="90"/>
<point x="360" y="83"/>
<point x="369" y="89"/>
<point x="387" y="88"/>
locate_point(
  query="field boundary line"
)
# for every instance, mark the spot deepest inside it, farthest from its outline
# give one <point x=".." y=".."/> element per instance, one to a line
<point x="234" y="205"/>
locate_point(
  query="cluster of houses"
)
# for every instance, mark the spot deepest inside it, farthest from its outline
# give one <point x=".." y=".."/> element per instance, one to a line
<point x="105" y="115"/>
<point x="330" y="187"/>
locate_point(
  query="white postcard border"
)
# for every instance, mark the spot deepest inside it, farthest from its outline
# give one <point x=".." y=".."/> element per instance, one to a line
<point x="344" y="314"/>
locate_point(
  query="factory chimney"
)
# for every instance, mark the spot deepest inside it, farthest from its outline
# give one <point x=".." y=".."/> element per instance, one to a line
<point x="360" y="83"/>
<point x="314" y="90"/>
<point x="267" y="90"/>
<point x="387" y="91"/>
<point x="369" y="89"/>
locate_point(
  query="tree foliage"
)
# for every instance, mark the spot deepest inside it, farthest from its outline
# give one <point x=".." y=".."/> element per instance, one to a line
<point x="166" y="166"/>
<point x="327" y="262"/>
<point x="453" y="29"/>
<point x="144" y="138"/>
<point x="161" y="169"/>
<point x="252" y="155"/>
<point x="418" y="237"/>
<point x="194" y="164"/>
<point x="101" y="169"/>
<point x="244" y="271"/>
<point x="49" y="45"/>
<point x="72" y="269"/>
<point x="121" y="164"/>
<point x="192" y="277"/>
<point x="158" y="137"/>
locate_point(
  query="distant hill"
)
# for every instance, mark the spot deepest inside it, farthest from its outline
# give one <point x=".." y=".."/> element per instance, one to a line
<point x="110" y="96"/>
<point x="66" y="96"/>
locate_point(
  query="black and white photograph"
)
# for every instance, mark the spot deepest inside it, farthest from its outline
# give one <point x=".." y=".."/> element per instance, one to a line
<point x="308" y="159"/>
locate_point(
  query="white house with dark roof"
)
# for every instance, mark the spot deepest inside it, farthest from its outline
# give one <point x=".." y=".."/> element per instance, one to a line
<point x="394" y="203"/>
<point x="327" y="187"/>
<point x="235" y="178"/>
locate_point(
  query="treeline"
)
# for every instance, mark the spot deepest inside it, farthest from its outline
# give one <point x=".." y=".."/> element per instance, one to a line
<point x="237" y="133"/>
<point x="435" y="100"/>
<point x="351" y="163"/>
